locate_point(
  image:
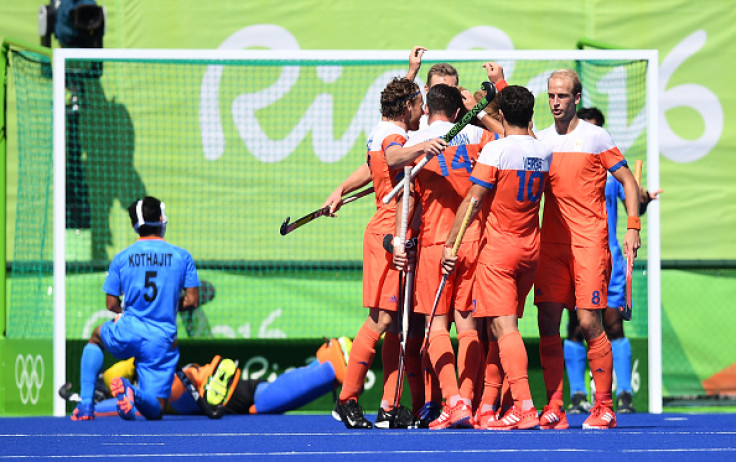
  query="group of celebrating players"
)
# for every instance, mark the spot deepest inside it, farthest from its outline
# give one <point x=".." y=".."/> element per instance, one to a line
<point x="473" y="211"/>
<point x="494" y="174"/>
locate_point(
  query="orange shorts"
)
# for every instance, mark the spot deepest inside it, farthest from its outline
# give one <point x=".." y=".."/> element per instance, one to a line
<point x="572" y="275"/>
<point x="502" y="291"/>
<point x="380" y="279"/>
<point x="458" y="290"/>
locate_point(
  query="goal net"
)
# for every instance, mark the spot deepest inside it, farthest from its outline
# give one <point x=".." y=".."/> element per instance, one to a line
<point x="234" y="142"/>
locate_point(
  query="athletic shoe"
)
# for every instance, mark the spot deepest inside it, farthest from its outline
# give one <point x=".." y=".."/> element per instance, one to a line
<point x="121" y="389"/>
<point x="580" y="404"/>
<point x="84" y="411"/>
<point x="515" y="419"/>
<point x="601" y="417"/>
<point x="625" y="403"/>
<point x="553" y="418"/>
<point x="482" y="419"/>
<point x="336" y="351"/>
<point x="351" y="414"/>
<point x="459" y="416"/>
<point x="398" y="417"/>
<point x="428" y="413"/>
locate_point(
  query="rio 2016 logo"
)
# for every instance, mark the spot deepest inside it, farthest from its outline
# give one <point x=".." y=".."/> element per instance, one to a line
<point x="29" y="375"/>
<point x="329" y="149"/>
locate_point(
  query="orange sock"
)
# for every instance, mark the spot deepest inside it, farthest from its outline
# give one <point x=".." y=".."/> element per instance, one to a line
<point x="480" y="377"/>
<point x="361" y="358"/>
<point x="553" y="367"/>
<point x="414" y="374"/>
<point x="432" y="390"/>
<point x="516" y="363"/>
<point x="506" y="399"/>
<point x="493" y="377"/>
<point x="600" y="358"/>
<point x="442" y="357"/>
<point x="390" y="358"/>
<point x="468" y="362"/>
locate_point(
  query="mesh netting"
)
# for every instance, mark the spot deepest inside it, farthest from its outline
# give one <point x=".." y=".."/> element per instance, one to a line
<point x="233" y="148"/>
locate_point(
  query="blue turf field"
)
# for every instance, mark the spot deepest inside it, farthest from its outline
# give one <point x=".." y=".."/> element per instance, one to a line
<point x="665" y="437"/>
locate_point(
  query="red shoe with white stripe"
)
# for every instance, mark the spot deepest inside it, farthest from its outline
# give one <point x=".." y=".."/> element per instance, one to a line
<point x="481" y="419"/>
<point x="601" y="417"/>
<point x="460" y="416"/>
<point x="553" y="418"/>
<point x="516" y="419"/>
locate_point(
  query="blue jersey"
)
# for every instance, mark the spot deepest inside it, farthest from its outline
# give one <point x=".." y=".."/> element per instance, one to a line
<point x="617" y="284"/>
<point x="151" y="274"/>
<point x="614" y="192"/>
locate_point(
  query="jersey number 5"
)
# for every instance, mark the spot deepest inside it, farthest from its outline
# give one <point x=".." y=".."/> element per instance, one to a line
<point x="150" y="283"/>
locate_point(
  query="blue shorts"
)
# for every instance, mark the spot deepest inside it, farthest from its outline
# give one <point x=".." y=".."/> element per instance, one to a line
<point x="156" y="356"/>
<point x="617" y="285"/>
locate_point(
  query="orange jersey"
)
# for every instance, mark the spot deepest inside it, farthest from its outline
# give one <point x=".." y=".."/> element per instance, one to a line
<point x="517" y="169"/>
<point x="575" y="201"/>
<point x="443" y="182"/>
<point x="384" y="135"/>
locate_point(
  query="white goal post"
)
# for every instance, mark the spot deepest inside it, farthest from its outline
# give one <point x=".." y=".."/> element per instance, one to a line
<point x="399" y="59"/>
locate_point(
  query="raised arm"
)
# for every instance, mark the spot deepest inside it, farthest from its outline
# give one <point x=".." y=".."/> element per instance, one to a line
<point x="415" y="62"/>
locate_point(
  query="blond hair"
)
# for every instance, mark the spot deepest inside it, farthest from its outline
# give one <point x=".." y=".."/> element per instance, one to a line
<point x="571" y="75"/>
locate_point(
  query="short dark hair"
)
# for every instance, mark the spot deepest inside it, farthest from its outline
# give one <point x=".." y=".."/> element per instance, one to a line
<point x="517" y="104"/>
<point x="442" y="70"/>
<point x="398" y="91"/>
<point x="444" y="99"/>
<point x="592" y="113"/>
<point x="151" y="210"/>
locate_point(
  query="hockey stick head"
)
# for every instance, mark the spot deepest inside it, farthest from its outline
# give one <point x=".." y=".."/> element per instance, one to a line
<point x="490" y="90"/>
<point x="285" y="227"/>
<point x="626" y="311"/>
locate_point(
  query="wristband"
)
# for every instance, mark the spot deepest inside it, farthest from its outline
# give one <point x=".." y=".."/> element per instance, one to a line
<point x="633" y="223"/>
<point x="501" y="84"/>
<point x="481" y="114"/>
<point x="397" y="241"/>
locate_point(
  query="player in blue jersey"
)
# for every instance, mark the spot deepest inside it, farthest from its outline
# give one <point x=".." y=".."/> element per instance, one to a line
<point x="150" y="274"/>
<point x="574" y="350"/>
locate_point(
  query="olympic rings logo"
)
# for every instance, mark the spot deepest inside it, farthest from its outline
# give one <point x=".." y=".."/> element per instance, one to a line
<point x="29" y="374"/>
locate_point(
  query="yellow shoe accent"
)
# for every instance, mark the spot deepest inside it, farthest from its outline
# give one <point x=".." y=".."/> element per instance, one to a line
<point x="337" y="352"/>
<point x="217" y="387"/>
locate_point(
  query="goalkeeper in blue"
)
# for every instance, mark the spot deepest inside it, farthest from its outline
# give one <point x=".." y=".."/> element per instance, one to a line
<point x="150" y="274"/>
<point x="218" y="388"/>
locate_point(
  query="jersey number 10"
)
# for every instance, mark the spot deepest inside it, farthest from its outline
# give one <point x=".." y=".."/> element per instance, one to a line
<point x="526" y="185"/>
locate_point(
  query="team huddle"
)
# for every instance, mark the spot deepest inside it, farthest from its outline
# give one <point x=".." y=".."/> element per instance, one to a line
<point x="474" y="209"/>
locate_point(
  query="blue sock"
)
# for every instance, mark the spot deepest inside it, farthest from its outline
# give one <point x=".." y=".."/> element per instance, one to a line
<point x="295" y="388"/>
<point x="147" y="404"/>
<point x="622" y="363"/>
<point x="92" y="360"/>
<point x="576" y="357"/>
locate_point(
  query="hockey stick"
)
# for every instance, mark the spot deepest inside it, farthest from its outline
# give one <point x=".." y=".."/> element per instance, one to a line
<point x="287" y="227"/>
<point x="408" y="287"/>
<point x="626" y="311"/>
<point x="490" y="94"/>
<point x="455" y="248"/>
